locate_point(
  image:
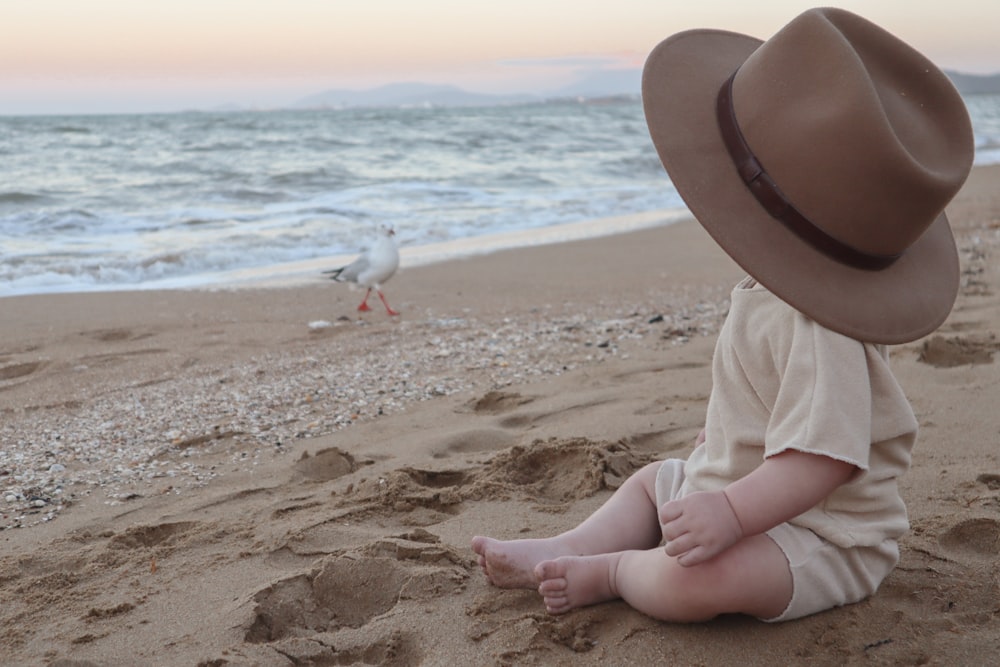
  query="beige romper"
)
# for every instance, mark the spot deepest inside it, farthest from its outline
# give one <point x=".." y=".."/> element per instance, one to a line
<point x="783" y="382"/>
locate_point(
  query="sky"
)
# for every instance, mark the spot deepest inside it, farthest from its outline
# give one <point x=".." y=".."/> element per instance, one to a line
<point x="124" y="56"/>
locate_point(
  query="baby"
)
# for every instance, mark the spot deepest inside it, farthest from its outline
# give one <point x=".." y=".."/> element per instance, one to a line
<point x="821" y="160"/>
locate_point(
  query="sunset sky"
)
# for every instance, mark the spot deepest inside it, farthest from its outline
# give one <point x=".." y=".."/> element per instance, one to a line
<point x="98" y="56"/>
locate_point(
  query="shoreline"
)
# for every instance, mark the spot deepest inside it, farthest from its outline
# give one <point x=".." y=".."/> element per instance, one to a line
<point x="302" y="272"/>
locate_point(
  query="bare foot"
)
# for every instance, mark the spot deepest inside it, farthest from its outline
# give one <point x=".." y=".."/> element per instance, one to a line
<point x="577" y="581"/>
<point x="511" y="564"/>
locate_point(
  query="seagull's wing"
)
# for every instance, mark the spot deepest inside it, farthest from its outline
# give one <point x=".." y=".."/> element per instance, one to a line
<point x="350" y="272"/>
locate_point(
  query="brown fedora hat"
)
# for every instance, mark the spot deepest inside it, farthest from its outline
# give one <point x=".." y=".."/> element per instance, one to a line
<point x="821" y="160"/>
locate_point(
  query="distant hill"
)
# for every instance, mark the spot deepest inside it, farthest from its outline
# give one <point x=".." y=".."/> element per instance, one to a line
<point x="975" y="84"/>
<point x="596" y="84"/>
<point x="605" y="83"/>
<point x="407" y="95"/>
<point x="602" y="84"/>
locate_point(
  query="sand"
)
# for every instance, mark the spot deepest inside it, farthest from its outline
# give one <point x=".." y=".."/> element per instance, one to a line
<point x="267" y="477"/>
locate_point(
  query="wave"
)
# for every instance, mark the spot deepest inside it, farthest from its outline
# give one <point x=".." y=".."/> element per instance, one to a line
<point x="71" y="129"/>
<point x="221" y="147"/>
<point x="255" y="196"/>
<point x="21" y="198"/>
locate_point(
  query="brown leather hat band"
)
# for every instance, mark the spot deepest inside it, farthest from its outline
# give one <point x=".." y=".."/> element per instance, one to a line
<point x="767" y="192"/>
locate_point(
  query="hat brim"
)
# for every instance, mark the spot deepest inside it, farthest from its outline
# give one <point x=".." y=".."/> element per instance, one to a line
<point x="898" y="304"/>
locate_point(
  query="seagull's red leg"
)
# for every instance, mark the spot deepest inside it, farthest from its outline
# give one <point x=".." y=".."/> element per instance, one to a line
<point x="386" y="303"/>
<point x="364" y="304"/>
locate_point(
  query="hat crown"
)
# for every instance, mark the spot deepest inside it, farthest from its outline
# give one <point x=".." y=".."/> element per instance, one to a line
<point x="863" y="135"/>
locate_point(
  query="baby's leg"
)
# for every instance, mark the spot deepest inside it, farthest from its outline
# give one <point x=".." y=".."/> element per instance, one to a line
<point x="627" y="521"/>
<point x="751" y="577"/>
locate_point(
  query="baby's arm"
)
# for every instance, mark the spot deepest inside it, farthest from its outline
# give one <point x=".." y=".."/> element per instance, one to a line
<point x="703" y="524"/>
<point x="783" y="487"/>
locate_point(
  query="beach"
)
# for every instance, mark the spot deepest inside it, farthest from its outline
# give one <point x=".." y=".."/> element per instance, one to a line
<point x="265" y="476"/>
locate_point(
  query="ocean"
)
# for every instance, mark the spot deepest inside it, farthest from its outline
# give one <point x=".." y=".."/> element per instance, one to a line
<point x="184" y="200"/>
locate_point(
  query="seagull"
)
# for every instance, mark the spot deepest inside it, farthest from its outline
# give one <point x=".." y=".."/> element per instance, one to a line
<point x="372" y="268"/>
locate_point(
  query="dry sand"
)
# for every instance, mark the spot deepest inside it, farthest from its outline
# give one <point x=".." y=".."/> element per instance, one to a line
<point x="220" y="478"/>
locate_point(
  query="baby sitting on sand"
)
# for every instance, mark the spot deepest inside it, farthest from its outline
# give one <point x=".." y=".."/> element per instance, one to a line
<point x="821" y="160"/>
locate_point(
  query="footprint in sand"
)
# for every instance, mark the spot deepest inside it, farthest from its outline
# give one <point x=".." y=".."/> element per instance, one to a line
<point x="980" y="537"/>
<point x="991" y="480"/>
<point x="144" y="544"/>
<point x="151" y="536"/>
<point x="14" y="371"/>
<point x="115" y="335"/>
<point x="326" y="464"/>
<point x="497" y="402"/>
<point x="351" y="590"/>
<point x="944" y="352"/>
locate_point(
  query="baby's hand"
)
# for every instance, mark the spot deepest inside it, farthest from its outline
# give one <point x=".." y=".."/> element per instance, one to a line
<point x="699" y="526"/>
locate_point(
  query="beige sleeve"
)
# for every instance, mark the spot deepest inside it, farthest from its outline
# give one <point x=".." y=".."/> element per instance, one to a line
<point x="824" y="403"/>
